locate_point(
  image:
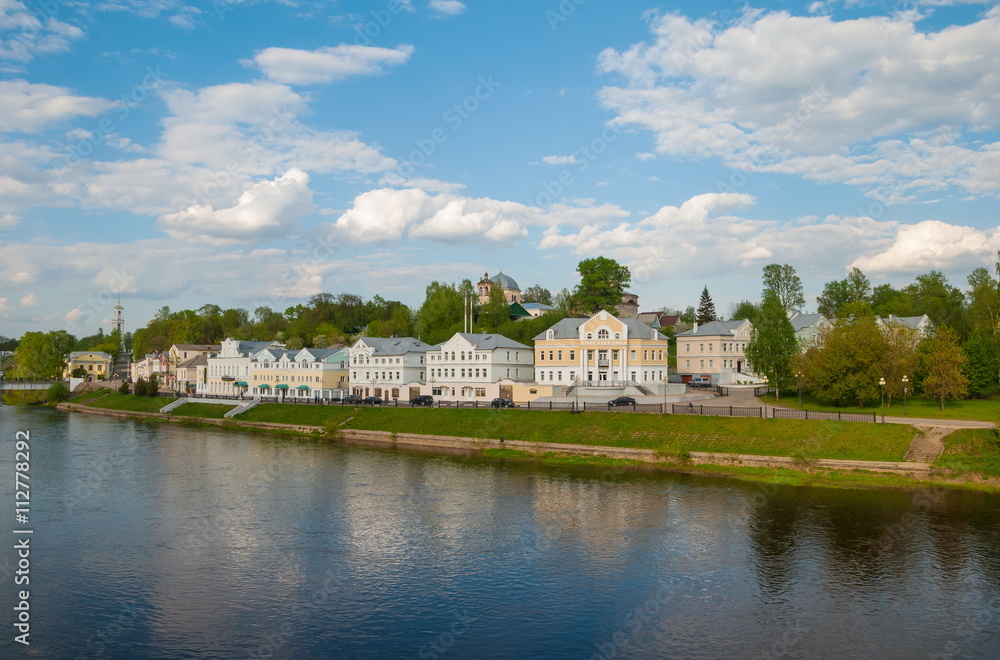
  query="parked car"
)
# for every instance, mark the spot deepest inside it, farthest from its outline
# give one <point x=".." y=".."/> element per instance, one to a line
<point x="622" y="401"/>
<point x="372" y="401"/>
<point x="700" y="381"/>
<point x="353" y="398"/>
<point x="422" y="400"/>
<point x="500" y="402"/>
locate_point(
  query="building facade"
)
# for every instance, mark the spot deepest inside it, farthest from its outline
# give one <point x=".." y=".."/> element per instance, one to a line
<point x="151" y="364"/>
<point x="96" y="364"/>
<point x="228" y="371"/>
<point x="601" y="350"/>
<point x="477" y="367"/>
<point x="313" y="373"/>
<point x="390" y="368"/>
<point x="715" y="350"/>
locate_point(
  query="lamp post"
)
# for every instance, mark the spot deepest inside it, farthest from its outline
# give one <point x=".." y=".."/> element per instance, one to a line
<point x="666" y="379"/>
<point x="905" y="381"/>
<point x="765" y="392"/>
<point x="881" y="384"/>
<point x="374" y="380"/>
<point x="798" y="384"/>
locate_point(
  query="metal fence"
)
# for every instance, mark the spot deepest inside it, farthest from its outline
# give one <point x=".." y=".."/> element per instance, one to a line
<point x="784" y="413"/>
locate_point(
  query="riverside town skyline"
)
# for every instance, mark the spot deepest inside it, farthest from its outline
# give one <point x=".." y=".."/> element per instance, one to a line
<point x="250" y="154"/>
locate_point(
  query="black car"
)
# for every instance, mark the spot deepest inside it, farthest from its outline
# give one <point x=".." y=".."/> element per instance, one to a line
<point x="622" y="401"/>
<point x="353" y="398"/>
<point x="423" y="400"/>
<point x="500" y="402"/>
<point x="372" y="401"/>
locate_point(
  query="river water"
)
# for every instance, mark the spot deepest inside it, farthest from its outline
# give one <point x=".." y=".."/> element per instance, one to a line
<point x="163" y="541"/>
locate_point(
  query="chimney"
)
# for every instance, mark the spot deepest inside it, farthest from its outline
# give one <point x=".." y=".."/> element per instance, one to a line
<point x="695" y="329"/>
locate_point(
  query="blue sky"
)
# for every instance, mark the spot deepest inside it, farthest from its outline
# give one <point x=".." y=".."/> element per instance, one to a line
<point x="256" y="153"/>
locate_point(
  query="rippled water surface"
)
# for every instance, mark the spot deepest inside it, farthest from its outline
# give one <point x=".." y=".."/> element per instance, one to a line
<point x="160" y="541"/>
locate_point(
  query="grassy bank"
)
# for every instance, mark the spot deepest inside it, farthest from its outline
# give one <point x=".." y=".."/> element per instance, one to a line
<point x="972" y="451"/>
<point x="25" y="397"/>
<point x="203" y="410"/>
<point x="116" y="401"/>
<point x="983" y="410"/>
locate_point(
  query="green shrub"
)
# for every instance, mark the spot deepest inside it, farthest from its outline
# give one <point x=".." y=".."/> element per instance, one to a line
<point x="57" y="392"/>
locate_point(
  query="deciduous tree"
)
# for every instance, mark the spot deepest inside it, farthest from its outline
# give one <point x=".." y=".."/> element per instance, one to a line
<point x="943" y="362"/>
<point x="786" y="284"/>
<point x="602" y="283"/>
<point x="772" y="342"/>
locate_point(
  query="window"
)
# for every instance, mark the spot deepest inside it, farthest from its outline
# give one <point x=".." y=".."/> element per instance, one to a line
<point x="541" y="356"/>
<point x="602" y="334"/>
<point x="541" y="375"/>
<point x="560" y="375"/>
<point x="550" y="355"/>
<point x="701" y="348"/>
<point x="614" y="355"/>
<point x="590" y="335"/>
<point x="687" y="348"/>
<point x="687" y="364"/>
<point x="631" y="356"/>
<point x="701" y="364"/>
<point x="618" y="335"/>
<point x="559" y="355"/>
<point x="710" y="348"/>
<point x="480" y="391"/>
<point x="572" y="355"/>
<point x="645" y="355"/>
<point x="711" y="364"/>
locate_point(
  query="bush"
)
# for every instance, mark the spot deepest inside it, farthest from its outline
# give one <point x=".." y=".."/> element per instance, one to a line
<point x="123" y="388"/>
<point x="153" y="386"/>
<point x="57" y="392"/>
<point x="141" y="388"/>
<point x="79" y="372"/>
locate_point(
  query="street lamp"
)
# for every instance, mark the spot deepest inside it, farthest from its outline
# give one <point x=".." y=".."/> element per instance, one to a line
<point x="881" y="384"/>
<point x="798" y="382"/>
<point x="765" y="392"/>
<point x="905" y="381"/>
<point x="666" y="379"/>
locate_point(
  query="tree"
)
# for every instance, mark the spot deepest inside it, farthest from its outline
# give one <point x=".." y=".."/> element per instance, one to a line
<point x="153" y="386"/>
<point x="980" y="366"/>
<point x="141" y="387"/>
<point x="900" y="358"/>
<point x="772" y="342"/>
<point x="706" y="308"/>
<point x="537" y="294"/>
<point x="943" y="362"/>
<point x="786" y="284"/>
<point x="79" y="372"/>
<point x="43" y="355"/>
<point x="744" y="310"/>
<point x="854" y="290"/>
<point x="57" y="392"/>
<point x="931" y="294"/>
<point x="440" y="316"/>
<point x="849" y="362"/>
<point x="602" y="283"/>
<point x="495" y="312"/>
<point x="123" y="388"/>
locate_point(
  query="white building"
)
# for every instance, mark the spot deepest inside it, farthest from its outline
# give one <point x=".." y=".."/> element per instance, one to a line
<point x="480" y="367"/>
<point x="313" y="373"/>
<point x="228" y="371"/>
<point x="390" y="368"/>
<point x="717" y="351"/>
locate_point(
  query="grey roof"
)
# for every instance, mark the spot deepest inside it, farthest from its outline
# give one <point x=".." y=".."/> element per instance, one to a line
<point x="504" y="281"/>
<point x="570" y="329"/>
<point x="803" y="321"/>
<point x="396" y="345"/>
<point x="912" y="322"/>
<point x="488" y="342"/>
<point x="193" y="362"/>
<point x="326" y="354"/>
<point x="713" y="329"/>
<point x="537" y="305"/>
<point x="100" y="354"/>
<point x="198" y="347"/>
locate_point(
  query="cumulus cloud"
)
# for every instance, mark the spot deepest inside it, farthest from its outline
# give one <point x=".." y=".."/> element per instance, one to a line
<point x="29" y="107"/>
<point x="9" y="221"/>
<point x="29" y="300"/>
<point x="933" y="244"/>
<point x="28" y="36"/>
<point x="329" y="64"/>
<point x="777" y="92"/>
<point x="267" y="210"/>
<point x="447" y="7"/>
<point x="560" y="160"/>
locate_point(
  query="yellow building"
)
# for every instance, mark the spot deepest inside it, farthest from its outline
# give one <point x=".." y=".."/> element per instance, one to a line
<point x="97" y="364"/>
<point x="602" y="350"/>
<point x="315" y="373"/>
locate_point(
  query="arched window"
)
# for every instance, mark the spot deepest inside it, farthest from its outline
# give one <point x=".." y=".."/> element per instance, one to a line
<point x="602" y="333"/>
<point x="590" y="335"/>
<point x="618" y="335"/>
<point x="549" y="334"/>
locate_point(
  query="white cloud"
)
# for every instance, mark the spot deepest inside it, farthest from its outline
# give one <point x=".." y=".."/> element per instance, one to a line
<point x="328" y="64"/>
<point x="73" y="315"/>
<point x="849" y="101"/>
<point x="29" y="300"/>
<point x="269" y="209"/>
<point x="9" y="221"/>
<point x="23" y="36"/>
<point x="560" y="160"/>
<point x="28" y="106"/>
<point x="447" y="7"/>
<point x="933" y="244"/>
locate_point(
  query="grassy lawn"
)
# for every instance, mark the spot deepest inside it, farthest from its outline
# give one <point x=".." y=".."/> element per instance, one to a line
<point x="296" y="414"/>
<point x="670" y="433"/>
<point x="116" y="401"/>
<point x="985" y="410"/>
<point x="207" y="410"/>
<point x="972" y="450"/>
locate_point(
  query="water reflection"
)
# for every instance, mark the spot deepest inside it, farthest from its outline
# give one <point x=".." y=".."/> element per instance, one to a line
<point x="197" y="543"/>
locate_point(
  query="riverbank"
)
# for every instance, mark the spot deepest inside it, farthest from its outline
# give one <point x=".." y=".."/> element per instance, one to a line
<point x="820" y="453"/>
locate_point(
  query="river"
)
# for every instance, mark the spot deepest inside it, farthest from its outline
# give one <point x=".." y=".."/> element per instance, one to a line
<point x="162" y="541"/>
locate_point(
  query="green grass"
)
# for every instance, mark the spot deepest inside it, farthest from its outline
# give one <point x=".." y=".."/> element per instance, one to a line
<point x="984" y="410"/>
<point x="972" y="450"/>
<point x="24" y="397"/>
<point x="116" y="401"/>
<point x="206" y="410"/>
<point x="296" y="414"/>
<point x="89" y="395"/>
<point x="672" y="434"/>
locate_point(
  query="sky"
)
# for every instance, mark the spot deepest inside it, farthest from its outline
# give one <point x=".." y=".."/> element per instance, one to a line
<point x="256" y="153"/>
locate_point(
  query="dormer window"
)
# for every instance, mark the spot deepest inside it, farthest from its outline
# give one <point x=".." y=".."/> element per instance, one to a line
<point x="602" y="333"/>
